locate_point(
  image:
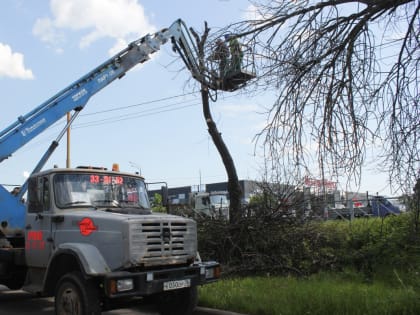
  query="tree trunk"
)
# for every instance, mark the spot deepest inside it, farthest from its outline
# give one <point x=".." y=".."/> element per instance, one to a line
<point x="234" y="188"/>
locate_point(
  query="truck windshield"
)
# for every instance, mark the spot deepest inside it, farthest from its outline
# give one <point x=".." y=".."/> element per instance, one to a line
<point x="219" y="200"/>
<point x="99" y="190"/>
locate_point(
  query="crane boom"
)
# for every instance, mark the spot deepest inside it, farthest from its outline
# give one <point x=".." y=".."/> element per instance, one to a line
<point x="77" y="94"/>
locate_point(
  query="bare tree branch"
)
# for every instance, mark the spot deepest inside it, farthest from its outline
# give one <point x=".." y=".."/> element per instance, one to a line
<point x="346" y="77"/>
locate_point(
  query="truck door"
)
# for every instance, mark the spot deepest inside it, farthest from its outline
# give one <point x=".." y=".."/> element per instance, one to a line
<point x="38" y="243"/>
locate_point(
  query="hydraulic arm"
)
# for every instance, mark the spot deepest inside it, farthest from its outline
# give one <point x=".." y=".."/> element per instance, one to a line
<point x="76" y="95"/>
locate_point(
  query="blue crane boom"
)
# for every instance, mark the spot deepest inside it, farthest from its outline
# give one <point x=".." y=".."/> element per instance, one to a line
<point x="75" y="97"/>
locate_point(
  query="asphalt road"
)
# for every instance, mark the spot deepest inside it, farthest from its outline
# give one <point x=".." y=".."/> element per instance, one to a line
<point x="23" y="303"/>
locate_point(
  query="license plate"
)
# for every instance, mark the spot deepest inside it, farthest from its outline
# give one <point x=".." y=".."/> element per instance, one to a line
<point x="176" y="284"/>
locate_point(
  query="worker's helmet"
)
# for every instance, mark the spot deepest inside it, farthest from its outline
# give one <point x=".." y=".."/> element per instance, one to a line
<point x="227" y="36"/>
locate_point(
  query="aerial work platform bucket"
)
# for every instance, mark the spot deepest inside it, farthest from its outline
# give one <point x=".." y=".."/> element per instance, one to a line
<point x="230" y="68"/>
<point x="234" y="80"/>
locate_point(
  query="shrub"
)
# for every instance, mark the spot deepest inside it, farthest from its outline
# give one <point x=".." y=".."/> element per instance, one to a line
<point x="255" y="245"/>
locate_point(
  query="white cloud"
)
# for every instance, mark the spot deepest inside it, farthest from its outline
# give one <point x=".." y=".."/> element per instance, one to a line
<point x="12" y="65"/>
<point x="45" y="30"/>
<point x="122" y="20"/>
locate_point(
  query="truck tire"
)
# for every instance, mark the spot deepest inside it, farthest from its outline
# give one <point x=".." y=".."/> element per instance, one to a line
<point x="178" y="302"/>
<point x="75" y="295"/>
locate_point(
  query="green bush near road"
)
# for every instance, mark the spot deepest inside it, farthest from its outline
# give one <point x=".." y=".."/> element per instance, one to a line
<point x="371" y="245"/>
<point x="258" y="246"/>
<point x="366" y="266"/>
<point x="339" y="294"/>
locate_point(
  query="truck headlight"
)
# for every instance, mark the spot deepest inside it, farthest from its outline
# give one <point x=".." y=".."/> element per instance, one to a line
<point x="125" y="285"/>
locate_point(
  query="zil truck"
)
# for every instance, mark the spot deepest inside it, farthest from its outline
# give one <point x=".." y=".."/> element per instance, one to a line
<point x="87" y="236"/>
<point x="194" y="204"/>
<point x="213" y="204"/>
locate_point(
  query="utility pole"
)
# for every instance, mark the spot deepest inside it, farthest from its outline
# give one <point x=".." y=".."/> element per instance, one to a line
<point x="68" y="142"/>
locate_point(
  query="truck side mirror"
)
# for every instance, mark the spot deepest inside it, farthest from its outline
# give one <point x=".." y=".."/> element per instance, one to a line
<point x="164" y="193"/>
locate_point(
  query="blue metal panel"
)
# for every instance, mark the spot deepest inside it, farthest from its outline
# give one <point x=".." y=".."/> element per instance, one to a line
<point x="12" y="211"/>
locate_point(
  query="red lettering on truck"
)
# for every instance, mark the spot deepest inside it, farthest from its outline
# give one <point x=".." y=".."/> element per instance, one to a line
<point x="35" y="240"/>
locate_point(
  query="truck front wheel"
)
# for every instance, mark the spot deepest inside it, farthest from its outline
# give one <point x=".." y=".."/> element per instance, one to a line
<point x="75" y="295"/>
<point x="178" y="302"/>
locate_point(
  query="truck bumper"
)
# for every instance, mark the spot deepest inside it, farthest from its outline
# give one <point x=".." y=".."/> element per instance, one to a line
<point x="127" y="284"/>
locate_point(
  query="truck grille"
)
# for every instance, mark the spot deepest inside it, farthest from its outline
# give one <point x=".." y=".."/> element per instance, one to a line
<point x="162" y="242"/>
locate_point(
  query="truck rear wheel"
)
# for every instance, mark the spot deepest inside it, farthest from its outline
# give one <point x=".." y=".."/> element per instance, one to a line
<point x="178" y="302"/>
<point x="75" y="295"/>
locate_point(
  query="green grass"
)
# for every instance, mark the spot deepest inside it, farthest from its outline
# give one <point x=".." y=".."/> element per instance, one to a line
<point x="319" y="294"/>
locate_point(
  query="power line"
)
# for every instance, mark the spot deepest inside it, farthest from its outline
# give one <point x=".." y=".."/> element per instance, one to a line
<point x="144" y="113"/>
<point x="139" y="104"/>
<point x="129" y="116"/>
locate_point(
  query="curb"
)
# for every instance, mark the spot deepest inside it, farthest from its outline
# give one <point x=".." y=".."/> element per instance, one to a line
<point x="212" y="311"/>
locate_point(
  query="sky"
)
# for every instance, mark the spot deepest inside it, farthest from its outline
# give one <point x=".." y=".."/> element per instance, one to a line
<point x="151" y="120"/>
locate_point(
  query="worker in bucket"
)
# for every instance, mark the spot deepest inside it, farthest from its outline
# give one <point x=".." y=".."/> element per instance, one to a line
<point x="235" y="52"/>
<point x="221" y="53"/>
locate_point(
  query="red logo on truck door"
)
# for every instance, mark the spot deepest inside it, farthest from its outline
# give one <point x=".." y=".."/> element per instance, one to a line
<point x="35" y="240"/>
<point x="87" y="227"/>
